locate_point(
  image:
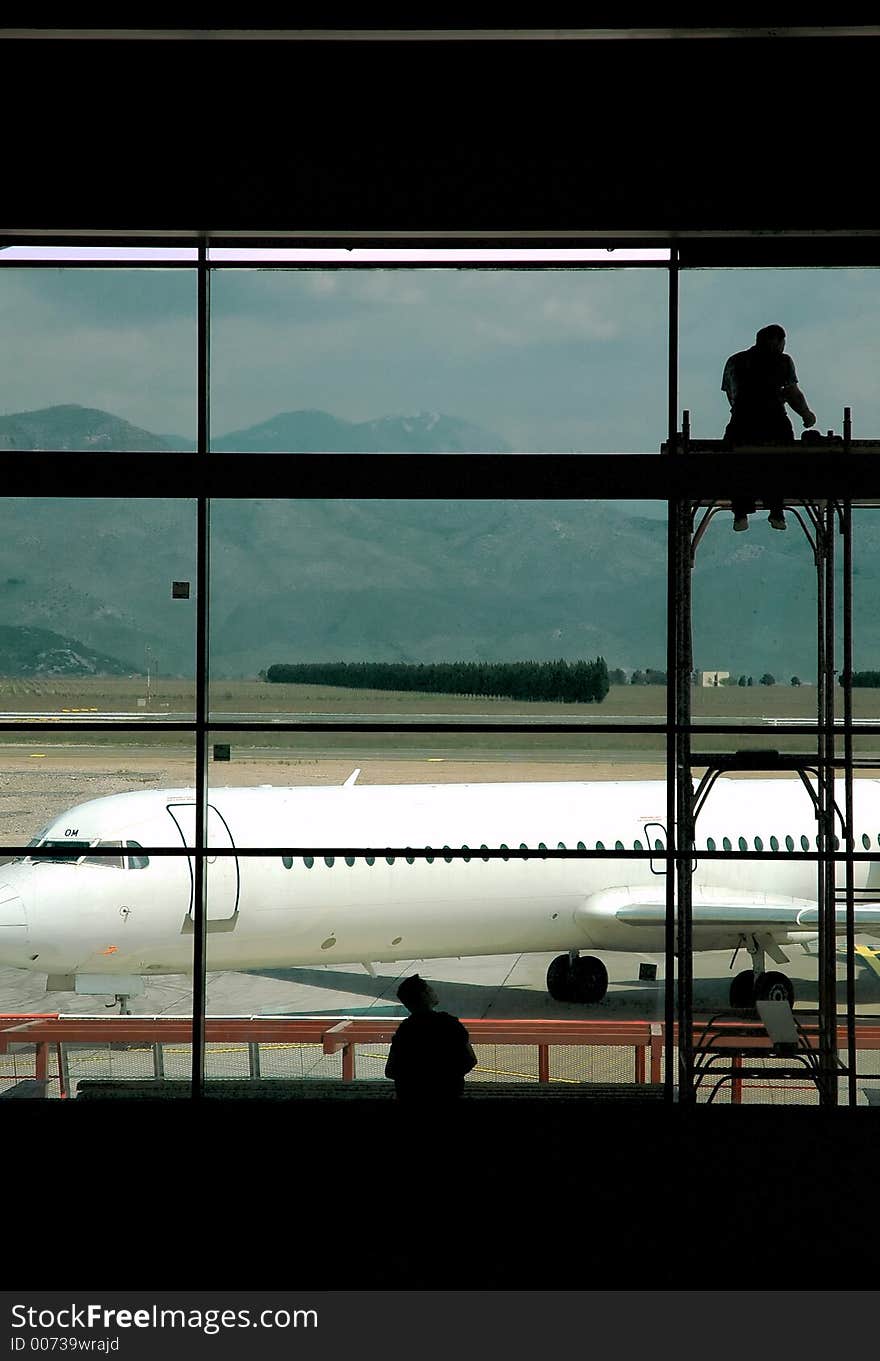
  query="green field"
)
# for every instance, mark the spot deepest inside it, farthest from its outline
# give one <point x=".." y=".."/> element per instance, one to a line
<point x="66" y="699"/>
<point x="78" y="697"/>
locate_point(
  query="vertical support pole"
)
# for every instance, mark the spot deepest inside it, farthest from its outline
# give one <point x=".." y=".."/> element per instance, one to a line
<point x="201" y="732"/>
<point x="672" y="682"/>
<point x="656" y="1051"/>
<point x="849" y="842"/>
<point x="640" y="1063"/>
<point x="158" y="1060"/>
<point x="543" y="1063"/>
<point x="826" y="864"/>
<point x="736" y="1086"/>
<point x="684" y="805"/>
<point x="254" y="1059"/>
<point x="41" y="1061"/>
<point x="63" y="1070"/>
<point x="348" y="1062"/>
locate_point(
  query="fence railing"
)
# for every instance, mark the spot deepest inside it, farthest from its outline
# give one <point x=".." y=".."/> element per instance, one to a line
<point x="160" y="1036"/>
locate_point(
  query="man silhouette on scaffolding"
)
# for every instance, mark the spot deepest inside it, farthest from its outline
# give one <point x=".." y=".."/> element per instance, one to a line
<point x="759" y="383"/>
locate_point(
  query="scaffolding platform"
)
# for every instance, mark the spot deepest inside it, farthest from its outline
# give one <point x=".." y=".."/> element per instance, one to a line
<point x="788" y="469"/>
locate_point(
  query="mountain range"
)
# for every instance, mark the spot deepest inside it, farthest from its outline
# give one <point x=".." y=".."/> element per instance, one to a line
<point x="83" y="428"/>
<point x="394" y="580"/>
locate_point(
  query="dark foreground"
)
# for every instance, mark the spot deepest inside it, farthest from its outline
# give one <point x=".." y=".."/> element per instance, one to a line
<point x="497" y="1194"/>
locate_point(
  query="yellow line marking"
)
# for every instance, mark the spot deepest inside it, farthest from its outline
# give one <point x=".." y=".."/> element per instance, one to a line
<point x="870" y="957"/>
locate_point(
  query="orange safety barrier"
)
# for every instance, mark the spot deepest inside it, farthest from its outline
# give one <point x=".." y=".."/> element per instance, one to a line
<point x="43" y="1029"/>
<point x="645" y="1038"/>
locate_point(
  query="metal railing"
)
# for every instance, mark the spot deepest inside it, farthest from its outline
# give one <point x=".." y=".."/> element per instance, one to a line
<point x="257" y="1047"/>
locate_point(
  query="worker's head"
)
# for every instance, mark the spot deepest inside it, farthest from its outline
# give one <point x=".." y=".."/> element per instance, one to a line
<point x="771" y="338"/>
<point x="416" y="994"/>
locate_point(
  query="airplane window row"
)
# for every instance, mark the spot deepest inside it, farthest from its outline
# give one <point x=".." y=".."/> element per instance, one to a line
<point x="758" y="843"/>
<point x="711" y="845"/>
<point x="430" y="857"/>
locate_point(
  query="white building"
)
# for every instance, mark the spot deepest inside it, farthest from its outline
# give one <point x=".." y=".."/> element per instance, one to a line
<point x="712" y="677"/>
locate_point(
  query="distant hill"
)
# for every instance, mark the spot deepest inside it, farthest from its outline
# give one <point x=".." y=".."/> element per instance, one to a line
<point x="82" y="428"/>
<point x="378" y="579"/>
<point x="39" y="652"/>
<point x="78" y="429"/>
<point x="427" y="432"/>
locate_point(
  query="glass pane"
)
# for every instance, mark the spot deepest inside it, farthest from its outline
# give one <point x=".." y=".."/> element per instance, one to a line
<point x="379" y="858"/>
<point x="95" y="923"/>
<point x="98" y="359"/>
<point x="93" y="634"/>
<point x="437" y="361"/>
<point x="829" y="316"/>
<point x="413" y="584"/>
<point x="91" y="623"/>
<point x="866" y="612"/>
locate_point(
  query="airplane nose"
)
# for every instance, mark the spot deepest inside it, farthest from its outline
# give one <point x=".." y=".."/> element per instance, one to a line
<point x="13" y="927"/>
<point x="11" y="907"/>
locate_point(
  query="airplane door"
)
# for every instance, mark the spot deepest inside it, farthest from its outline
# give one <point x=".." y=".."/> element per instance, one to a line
<point x="655" y="840"/>
<point x="222" y="870"/>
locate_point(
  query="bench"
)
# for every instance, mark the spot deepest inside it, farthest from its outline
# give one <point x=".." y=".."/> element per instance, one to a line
<point x="338" y="1089"/>
<point x="26" y="1087"/>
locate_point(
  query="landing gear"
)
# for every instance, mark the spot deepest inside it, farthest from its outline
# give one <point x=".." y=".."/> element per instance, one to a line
<point x="559" y="979"/>
<point x="574" y="978"/>
<point x="742" y="990"/>
<point x="774" y="987"/>
<point x="757" y="985"/>
<point x="122" y="999"/>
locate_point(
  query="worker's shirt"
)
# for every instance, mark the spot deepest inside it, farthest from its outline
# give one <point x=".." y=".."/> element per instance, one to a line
<point x="754" y="381"/>
<point x="429" y="1055"/>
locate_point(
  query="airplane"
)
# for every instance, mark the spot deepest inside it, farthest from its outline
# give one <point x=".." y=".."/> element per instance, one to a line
<point x="98" y="913"/>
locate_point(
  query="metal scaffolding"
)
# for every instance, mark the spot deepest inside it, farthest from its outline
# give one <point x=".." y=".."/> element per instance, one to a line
<point x="818" y="519"/>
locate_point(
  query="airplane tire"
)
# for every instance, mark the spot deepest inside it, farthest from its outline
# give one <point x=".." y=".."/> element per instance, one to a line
<point x="559" y="980"/>
<point x="589" y="979"/>
<point x="742" y="990"/>
<point x="773" y="986"/>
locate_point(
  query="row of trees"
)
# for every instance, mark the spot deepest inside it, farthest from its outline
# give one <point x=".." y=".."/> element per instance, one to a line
<point x="647" y="677"/>
<point x="571" y="682"/>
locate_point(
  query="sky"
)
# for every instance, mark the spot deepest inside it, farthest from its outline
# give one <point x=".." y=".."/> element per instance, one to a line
<point x="549" y="360"/>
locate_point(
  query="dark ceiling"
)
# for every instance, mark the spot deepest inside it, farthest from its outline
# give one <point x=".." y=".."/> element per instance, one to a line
<point x="639" y="136"/>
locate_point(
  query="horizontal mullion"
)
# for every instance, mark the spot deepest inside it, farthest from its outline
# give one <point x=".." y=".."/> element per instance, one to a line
<point x="826" y="474"/>
<point x="438" y="853"/>
<point x="217" y="724"/>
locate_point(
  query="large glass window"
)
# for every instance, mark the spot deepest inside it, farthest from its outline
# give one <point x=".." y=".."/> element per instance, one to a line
<point x="442" y="360"/>
<point x="457" y="604"/>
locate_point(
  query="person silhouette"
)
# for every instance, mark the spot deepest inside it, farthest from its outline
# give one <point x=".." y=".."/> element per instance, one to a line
<point x="759" y="383"/>
<point x="431" y="1050"/>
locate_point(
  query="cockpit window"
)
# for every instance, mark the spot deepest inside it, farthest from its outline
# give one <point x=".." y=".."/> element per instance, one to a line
<point x="113" y="862"/>
<point x="61" y="852"/>
<point x="135" y="861"/>
<point x="34" y="841"/>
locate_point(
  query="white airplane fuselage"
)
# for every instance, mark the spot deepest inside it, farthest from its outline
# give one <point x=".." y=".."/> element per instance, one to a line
<point x="124" y="917"/>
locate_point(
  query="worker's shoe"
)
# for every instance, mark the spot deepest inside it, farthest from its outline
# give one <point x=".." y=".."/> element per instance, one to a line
<point x="777" y="521"/>
<point x="741" y="522"/>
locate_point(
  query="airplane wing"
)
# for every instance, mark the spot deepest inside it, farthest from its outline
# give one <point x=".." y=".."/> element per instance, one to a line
<point x="724" y="910"/>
